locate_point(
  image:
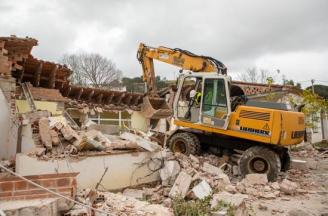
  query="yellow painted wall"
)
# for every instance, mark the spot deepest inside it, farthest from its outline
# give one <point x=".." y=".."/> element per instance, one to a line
<point x="23" y="107"/>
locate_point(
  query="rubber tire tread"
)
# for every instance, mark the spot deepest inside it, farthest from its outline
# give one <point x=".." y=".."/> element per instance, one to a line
<point x="267" y="154"/>
<point x="191" y="141"/>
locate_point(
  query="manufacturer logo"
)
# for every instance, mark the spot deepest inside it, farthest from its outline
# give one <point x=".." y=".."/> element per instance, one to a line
<point x="266" y="127"/>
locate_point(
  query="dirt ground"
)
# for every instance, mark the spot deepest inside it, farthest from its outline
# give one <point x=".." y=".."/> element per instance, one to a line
<point x="313" y="200"/>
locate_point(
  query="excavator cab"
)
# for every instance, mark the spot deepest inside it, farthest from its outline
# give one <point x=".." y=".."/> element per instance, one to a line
<point x="213" y="106"/>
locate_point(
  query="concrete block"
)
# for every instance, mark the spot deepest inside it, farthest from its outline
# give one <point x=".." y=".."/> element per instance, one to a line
<point x="181" y="185"/>
<point x="299" y="164"/>
<point x="138" y="194"/>
<point x="202" y="190"/>
<point x="236" y="200"/>
<point x="145" y="144"/>
<point x="255" y="179"/>
<point x="288" y="187"/>
<point x="124" y="169"/>
<point x="169" y="172"/>
<point x="211" y="169"/>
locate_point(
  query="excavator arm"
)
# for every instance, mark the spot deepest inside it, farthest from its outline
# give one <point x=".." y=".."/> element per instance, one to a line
<point x="178" y="57"/>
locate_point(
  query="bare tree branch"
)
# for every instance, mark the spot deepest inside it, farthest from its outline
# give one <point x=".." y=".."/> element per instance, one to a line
<point x="91" y="69"/>
<point x="254" y="75"/>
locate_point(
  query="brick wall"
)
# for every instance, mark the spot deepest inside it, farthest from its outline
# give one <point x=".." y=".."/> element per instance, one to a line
<point x="14" y="188"/>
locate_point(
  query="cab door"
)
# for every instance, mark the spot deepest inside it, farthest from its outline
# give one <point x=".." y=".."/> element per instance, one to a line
<point x="215" y="107"/>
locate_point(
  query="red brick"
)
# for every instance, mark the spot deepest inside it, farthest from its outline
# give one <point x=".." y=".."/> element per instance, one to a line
<point x="37" y="196"/>
<point x="48" y="183"/>
<point x="31" y="186"/>
<point x="43" y="176"/>
<point x="5" y="194"/>
<point x="5" y="198"/>
<point x="29" y="192"/>
<point x="63" y="182"/>
<point x="18" y="197"/>
<point x="21" y="185"/>
<point x="62" y="190"/>
<point x="6" y="186"/>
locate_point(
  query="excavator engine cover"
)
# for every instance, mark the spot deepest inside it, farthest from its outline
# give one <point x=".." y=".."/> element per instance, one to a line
<point x="155" y="108"/>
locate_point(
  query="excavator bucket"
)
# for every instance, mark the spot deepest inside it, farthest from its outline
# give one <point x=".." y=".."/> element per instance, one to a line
<point x="155" y="108"/>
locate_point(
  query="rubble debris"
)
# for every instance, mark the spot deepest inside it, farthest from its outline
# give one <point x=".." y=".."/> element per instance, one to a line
<point x="236" y="200"/>
<point x="54" y="137"/>
<point x="202" y="190"/>
<point x="68" y="133"/>
<point x="299" y="164"/>
<point x="211" y="169"/>
<point x="255" y="179"/>
<point x="90" y="144"/>
<point x="169" y="172"/>
<point x="44" y="131"/>
<point x="288" y="187"/>
<point x="138" y="194"/>
<point x="146" y="144"/>
<point x="118" y="204"/>
<point x="39" y="151"/>
<point x="262" y="207"/>
<point x="181" y="185"/>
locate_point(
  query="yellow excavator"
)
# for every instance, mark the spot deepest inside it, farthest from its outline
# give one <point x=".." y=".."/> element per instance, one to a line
<point x="208" y="114"/>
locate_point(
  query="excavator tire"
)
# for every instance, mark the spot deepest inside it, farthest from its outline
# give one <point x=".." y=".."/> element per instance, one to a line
<point x="185" y="142"/>
<point x="260" y="159"/>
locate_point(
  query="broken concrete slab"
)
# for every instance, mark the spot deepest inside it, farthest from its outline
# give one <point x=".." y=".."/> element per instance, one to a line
<point x="288" y="187"/>
<point x="135" y="193"/>
<point x="39" y="151"/>
<point x="169" y="172"/>
<point x="54" y="137"/>
<point x="312" y="164"/>
<point x="124" y="169"/>
<point x="298" y="164"/>
<point x="202" y="190"/>
<point x="145" y="144"/>
<point x="211" y="169"/>
<point x="69" y="133"/>
<point x="181" y="185"/>
<point x="236" y="200"/>
<point x="105" y="129"/>
<point x="223" y="178"/>
<point x="255" y="179"/>
<point x="44" y="132"/>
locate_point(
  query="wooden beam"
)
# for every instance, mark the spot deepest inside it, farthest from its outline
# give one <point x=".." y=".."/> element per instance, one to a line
<point x="109" y="98"/>
<point x="91" y="94"/>
<point x="99" y="98"/>
<point x="37" y="75"/>
<point x="120" y="98"/>
<point x="52" y="77"/>
<point x="79" y="94"/>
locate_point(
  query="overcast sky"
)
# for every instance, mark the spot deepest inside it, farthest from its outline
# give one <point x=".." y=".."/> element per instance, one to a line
<point x="291" y="36"/>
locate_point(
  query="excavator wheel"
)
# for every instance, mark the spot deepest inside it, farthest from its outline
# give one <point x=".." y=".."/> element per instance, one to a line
<point x="184" y="142"/>
<point x="260" y="159"/>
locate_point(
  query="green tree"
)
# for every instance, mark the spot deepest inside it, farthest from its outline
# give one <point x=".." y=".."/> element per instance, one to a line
<point x="314" y="104"/>
<point x="321" y="90"/>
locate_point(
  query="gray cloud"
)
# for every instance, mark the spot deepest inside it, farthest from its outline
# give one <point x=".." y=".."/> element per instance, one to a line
<point x="237" y="32"/>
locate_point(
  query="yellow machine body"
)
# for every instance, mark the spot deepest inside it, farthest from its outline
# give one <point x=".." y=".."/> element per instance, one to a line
<point x="263" y="125"/>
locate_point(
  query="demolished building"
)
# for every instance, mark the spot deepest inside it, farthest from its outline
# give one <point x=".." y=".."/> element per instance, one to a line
<point x="41" y="129"/>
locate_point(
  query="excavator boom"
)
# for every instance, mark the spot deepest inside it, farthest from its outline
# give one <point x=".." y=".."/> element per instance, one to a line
<point x="153" y="106"/>
<point x="178" y="57"/>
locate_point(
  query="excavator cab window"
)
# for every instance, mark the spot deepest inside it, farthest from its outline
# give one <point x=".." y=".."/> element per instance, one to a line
<point x="189" y="103"/>
<point x="215" y="106"/>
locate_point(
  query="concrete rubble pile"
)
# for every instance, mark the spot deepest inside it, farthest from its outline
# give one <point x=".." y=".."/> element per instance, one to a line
<point x="197" y="177"/>
<point x="116" y="204"/>
<point x="55" y="137"/>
